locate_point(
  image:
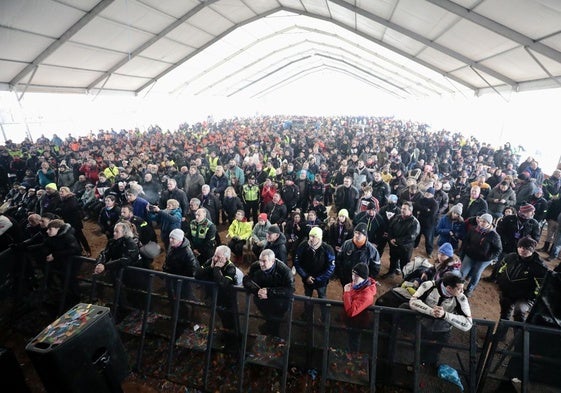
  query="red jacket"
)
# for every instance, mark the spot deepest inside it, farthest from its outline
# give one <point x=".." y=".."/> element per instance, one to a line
<point x="357" y="300"/>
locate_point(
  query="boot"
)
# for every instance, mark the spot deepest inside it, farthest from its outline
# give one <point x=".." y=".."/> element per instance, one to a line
<point x="545" y="247"/>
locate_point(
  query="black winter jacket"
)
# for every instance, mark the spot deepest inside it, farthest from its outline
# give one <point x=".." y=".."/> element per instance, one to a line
<point x="521" y="278"/>
<point x="181" y="260"/>
<point x="279" y="282"/>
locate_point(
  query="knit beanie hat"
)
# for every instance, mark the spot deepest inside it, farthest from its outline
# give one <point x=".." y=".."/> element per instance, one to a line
<point x="262" y="216"/>
<point x="317" y="232"/>
<point x="177" y="234"/>
<point x="361" y="270"/>
<point x="361" y="227"/>
<point x="526" y="209"/>
<point x="487" y="217"/>
<point x="343" y="212"/>
<point x="430" y="190"/>
<point x="458" y="208"/>
<point x="392" y="198"/>
<point x="446" y="249"/>
<point x="52" y="186"/>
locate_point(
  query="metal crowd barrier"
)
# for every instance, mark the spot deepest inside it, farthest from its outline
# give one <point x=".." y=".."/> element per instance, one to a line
<point x="314" y="340"/>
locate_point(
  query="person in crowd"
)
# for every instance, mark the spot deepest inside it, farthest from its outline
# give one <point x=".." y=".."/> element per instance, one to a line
<point x="520" y="278"/>
<point x="340" y="230"/>
<point x="272" y="284"/>
<point x="553" y="211"/>
<point x="495" y="179"/>
<point x="168" y="219"/>
<point x="358" y="295"/>
<point x="139" y="204"/>
<point x="380" y="188"/>
<point x="387" y="211"/>
<point x="79" y="187"/>
<point x="60" y="246"/>
<point x="402" y="231"/>
<point x="108" y="216"/>
<point x="276" y="210"/>
<point x="426" y="209"/>
<point x="441" y="198"/>
<point x="71" y="213"/>
<point x="151" y="189"/>
<point x="173" y="192"/>
<point x="460" y="189"/>
<point x="481" y="246"/>
<point x="219" y="182"/>
<point x="194" y="182"/>
<point x="251" y="198"/>
<point x="221" y="270"/>
<point x="312" y="221"/>
<point x="304" y="185"/>
<point x="411" y="194"/>
<point x="111" y="172"/>
<point x="474" y="204"/>
<point x="210" y="202"/>
<point x="239" y="232"/>
<point x="121" y="251"/>
<point x="258" y="237"/>
<point x="552" y="186"/>
<point x="91" y="206"/>
<point x="314" y="261"/>
<point x="202" y="235"/>
<point x="268" y="190"/>
<point x="346" y="197"/>
<point x="451" y="227"/>
<point x="46" y="175"/>
<point x="357" y="250"/>
<point x="144" y="233"/>
<point x="320" y="209"/>
<point x="512" y="228"/>
<point x="102" y="186"/>
<point x="445" y="306"/>
<point x="276" y="242"/>
<point x="234" y="171"/>
<point x="294" y="231"/>
<point x="374" y="222"/>
<point x="180" y="261"/>
<point x="65" y="176"/>
<point x="50" y="203"/>
<point x="500" y="197"/>
<point x="290" y="194"/>
<point x="445" y="261"/>
<point x="231" y="204"/>
<point x="525" y="188"/>
<point x="540" y="205"/>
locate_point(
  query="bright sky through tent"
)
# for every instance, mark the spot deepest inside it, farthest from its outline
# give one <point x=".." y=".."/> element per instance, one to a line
<point x="527" y="119"/>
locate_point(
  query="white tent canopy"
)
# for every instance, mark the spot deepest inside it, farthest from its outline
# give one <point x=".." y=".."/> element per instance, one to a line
<point x="405" y="48"/>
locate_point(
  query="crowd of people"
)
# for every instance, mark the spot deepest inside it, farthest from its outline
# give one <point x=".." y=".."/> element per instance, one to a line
<point x="322" y="197"/>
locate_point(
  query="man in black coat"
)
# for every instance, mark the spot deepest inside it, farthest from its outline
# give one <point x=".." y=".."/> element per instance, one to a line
<point x="272" y="284"/>
<point x="521" y="274"/>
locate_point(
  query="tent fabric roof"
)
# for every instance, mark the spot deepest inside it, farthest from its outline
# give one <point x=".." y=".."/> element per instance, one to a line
<point x="406" y="48"/>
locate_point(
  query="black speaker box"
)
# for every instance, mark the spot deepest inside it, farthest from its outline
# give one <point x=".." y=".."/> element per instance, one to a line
<point x="80" y="352"/>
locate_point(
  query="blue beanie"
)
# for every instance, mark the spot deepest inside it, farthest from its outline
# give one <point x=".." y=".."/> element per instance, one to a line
<point x="446" y="249"/>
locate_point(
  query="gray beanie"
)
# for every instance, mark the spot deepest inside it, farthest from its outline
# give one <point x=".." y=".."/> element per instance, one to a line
<point x="177" y="234"/>
<point x="458" y="208"/>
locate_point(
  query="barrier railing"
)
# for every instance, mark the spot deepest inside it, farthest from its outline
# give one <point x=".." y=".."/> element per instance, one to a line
<point x="318" y="337"/>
